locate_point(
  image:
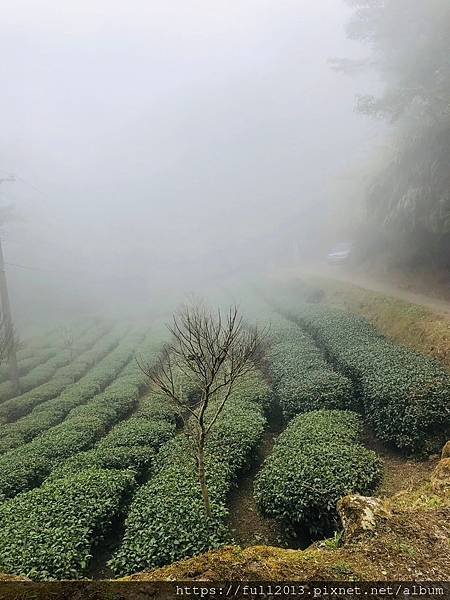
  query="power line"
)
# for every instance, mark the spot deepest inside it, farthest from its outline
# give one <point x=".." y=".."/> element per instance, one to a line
<point x="28" y="268"/>
<point x="30" y="185"/>
<point x="94" y="277"/>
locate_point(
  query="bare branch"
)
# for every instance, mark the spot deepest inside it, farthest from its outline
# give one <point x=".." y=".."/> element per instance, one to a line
<point x="210" y="351"/>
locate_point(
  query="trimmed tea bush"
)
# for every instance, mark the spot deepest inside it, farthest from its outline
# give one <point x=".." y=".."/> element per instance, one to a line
<point x="138" y="459"/>
<point x="26" y="467"/>
<point x="302" y="378"/>
<point x="315" y="461"/>
<point x="45" y="371"/>
<point x="65" y="377"/>
<point x="49" y="533"/>
<point x="138" y="432"/>
<point x="62" y="547"/>
<point x="25" y="365"/>
<point x="51" y="412"/>
<point x="167" y="520"/>
<point x="132" y="444"/>
<point x="404" y="395"/>
<point x="49" y="345"/>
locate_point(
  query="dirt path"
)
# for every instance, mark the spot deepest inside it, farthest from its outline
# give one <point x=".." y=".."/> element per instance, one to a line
<point x="104" y="550"/>
<point x="247" y="526"/>
<point x="400" y="472"/>
<point x="372" y="283"/>
<point x="385" y="287"/>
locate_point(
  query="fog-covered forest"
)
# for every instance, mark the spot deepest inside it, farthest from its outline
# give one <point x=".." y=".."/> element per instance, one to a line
<point x="405" y="184"/>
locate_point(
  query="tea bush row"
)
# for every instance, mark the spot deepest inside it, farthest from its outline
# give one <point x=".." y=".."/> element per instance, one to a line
<point x="315" y="461"/>
<point x="45" y="371"/>
<point x="131" y="444"/>
<point x="49" y="532"/>
<point x="167" y="520"/>
<point x="51" y="338"/>
<point x="302" y="378"/>
<point x="62" y="550"/>
<point x="27" y="466"/>
<point x="404" y="395"/>
<point x="53" y="411"/>
<point x="25" y="365"/>
<point x="96" y="349"/>
<point x="33" y="355"/>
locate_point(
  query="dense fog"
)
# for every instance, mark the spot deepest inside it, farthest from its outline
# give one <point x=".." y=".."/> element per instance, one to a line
<point x="162" y="146"/>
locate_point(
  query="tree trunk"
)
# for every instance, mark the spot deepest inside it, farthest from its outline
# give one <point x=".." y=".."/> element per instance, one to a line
<point x="202" y="477"/>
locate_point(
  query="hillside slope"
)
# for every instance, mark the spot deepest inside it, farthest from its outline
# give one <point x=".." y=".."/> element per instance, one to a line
<point x="401" y="538"/>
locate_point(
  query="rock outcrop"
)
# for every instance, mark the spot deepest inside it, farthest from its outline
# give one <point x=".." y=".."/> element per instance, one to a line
<point x="360" y="514"/>
<point x="440" y="480"/>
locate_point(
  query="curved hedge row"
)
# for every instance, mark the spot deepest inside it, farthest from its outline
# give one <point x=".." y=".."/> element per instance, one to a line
<point x="62" y="549"/>
<point x="404" y="395"/>
<point x="50" y="532"/>
<point x="51" y="412"/>
<point x="302" y="379"/>
<point x="33" y="355"/>
<point x="26" y="467"/>
<point x="132" y="444"/>
<point x="45" y="371"/>
<point x="44" y="340"/>
<point x="167" y="521"/>
<point x="25" y="365"/>
<point x="96" y="349"/>
<point x="315" y="461"/>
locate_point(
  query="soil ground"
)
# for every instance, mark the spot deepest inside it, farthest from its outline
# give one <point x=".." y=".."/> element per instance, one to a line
<point x="247" y="526"/>
<point x="400" y="473"/>
<point x="98" y="569"/>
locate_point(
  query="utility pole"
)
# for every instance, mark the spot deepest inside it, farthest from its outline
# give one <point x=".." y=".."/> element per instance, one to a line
<point x="6" y="309"/>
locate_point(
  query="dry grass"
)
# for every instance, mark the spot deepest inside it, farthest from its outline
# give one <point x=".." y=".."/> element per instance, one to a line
<point x="414" y="326"/>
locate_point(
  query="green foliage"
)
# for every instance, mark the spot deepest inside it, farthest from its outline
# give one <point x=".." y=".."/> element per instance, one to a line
<point x="27" y="466"/>
<point x="131" y="444"/>
<point x="315" y="461"/>
<point x="334" y="542"/>
<point x="139" y="432"/>
<point x="86" y="489"/>
<point x="44" y="371"/>
<point x="167" y="519"/>
<point x="302" y="379"/>
<point x="404" y="395"/>
<point x="25" y="365"/>
<point x="51" y="412"/>
<point x="48" y="533"/>
<point x="138" y="459"/>
<point x="65" y="377"/>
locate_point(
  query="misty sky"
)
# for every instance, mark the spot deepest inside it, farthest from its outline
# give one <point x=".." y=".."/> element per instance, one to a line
<point x="154" y="139"/>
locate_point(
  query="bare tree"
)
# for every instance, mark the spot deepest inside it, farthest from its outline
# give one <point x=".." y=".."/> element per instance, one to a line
<point x="212" y="351"/>
<point x="68" y="341"/>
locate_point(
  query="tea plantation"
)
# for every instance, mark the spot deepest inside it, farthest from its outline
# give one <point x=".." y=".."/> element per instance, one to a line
<point x="90" y="450"/>
<point x="403" y="395"/>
